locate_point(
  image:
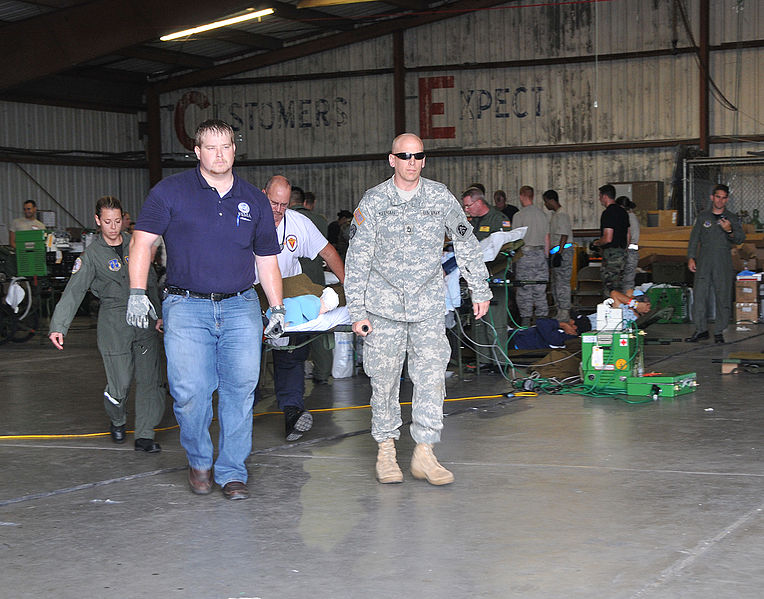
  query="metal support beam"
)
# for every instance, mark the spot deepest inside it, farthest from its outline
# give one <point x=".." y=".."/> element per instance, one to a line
<point x="399" y="83"/>
<point x="409" y="4"/>
<point x="154" y="131"/>
<point x="244" y="38"/>
<point x="167" y="56"/>
<point x="314" y="18"/>
<point x="705" y="73"/>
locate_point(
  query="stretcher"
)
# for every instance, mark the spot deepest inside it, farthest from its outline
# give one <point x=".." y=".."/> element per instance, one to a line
<point x="333" y="321"/>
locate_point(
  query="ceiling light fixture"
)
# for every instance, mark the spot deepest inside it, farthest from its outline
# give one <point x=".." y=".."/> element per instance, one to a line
<point x="214" y="25"/>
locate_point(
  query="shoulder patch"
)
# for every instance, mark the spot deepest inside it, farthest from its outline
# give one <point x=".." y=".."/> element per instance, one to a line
<point x="506" y="223"/>
<point x="352" y="231"/>
<point x="359" y="217"/>
<point x="461" y="229"/>
<point x="77" y="265"/>
<point x="291" y="243"/>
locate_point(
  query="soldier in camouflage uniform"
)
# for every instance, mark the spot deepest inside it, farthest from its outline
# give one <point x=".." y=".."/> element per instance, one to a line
<point x="715" y="232"/>
<point x="532" y="265"/>
<point x="395" y="294"/>
<point x="614" y="238"/>
<point x="560" y="235"/>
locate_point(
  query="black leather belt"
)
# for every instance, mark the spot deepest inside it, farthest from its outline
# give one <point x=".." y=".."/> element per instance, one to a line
<point x="215" y="297"/>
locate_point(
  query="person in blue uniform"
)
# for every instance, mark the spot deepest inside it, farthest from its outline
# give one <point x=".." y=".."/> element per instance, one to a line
<point x="549" y="333"/>
<point x="102" y="268"/>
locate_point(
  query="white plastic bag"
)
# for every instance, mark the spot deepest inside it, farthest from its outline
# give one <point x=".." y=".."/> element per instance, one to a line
<point x="342" y="365"/>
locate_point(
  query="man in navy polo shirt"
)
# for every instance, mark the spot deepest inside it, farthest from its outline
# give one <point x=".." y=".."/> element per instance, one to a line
<point x="216" y="228"/>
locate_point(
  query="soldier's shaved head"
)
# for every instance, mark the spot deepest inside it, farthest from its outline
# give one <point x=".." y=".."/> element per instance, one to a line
<point x="405" y="137"/>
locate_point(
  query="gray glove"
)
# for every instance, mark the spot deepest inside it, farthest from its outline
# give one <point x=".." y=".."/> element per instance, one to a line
<point x="275" y="328"/>
<point x="139" y="308"/>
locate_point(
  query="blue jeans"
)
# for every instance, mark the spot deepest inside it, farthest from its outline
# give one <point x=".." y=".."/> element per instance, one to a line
<point x="214" y="345"/>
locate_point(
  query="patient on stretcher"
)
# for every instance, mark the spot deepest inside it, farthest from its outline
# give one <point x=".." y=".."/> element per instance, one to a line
<point x="304" y="308"/>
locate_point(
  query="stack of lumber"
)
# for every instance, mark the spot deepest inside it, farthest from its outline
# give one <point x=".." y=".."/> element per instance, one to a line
<point x="669" y="244"/>
<point x="663" y="242"/>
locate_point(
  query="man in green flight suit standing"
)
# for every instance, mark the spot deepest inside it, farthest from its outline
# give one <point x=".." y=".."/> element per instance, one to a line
<point x="715" y="232"/>
<point x="485" y="220"/>
<point x="102" y="268"/>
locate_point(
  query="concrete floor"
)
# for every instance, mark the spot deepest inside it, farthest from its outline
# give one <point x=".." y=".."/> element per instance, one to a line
<point x="555" y="496"/>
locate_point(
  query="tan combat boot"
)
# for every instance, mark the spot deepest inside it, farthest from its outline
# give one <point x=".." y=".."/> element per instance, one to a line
<point x="424" y="464"/>
<point x="387" y="468"/>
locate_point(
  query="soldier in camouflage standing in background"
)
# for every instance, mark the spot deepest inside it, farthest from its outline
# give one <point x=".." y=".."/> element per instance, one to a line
<point x="395" y="294"/>
<point x="532" y="265"/>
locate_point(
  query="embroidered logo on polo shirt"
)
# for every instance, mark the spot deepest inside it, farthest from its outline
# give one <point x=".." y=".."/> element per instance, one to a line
<point x="114" y="265"/>
<point x="77" y="265"/>
<point x="243" y="211"/>
<point x="291" y="243"/>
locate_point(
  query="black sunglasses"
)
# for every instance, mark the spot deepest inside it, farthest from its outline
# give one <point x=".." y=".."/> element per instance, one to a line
<point x="408" y="155"/>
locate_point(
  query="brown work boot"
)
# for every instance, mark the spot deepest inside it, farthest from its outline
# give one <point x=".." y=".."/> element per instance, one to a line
<point x="424" y="464"/>
<point x="200" y="481"/>
<point x="387" y="468"/>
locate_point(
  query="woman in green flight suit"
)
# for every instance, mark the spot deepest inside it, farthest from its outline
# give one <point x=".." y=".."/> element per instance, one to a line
<point x="102" y="268"/>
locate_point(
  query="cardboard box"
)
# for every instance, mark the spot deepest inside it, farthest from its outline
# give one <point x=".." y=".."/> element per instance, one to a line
<point x="647" y="195"/>
<point x="744" y="258"/>
<point x="745" y="312"/>
<point x="661" y="218"/>
<point x="747" y="291"/>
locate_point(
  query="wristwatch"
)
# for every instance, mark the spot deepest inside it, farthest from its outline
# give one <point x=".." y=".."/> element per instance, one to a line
<point x="280" y="309"/>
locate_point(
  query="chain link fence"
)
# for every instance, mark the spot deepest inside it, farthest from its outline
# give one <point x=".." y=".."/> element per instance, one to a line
<point x="744" y="176"/>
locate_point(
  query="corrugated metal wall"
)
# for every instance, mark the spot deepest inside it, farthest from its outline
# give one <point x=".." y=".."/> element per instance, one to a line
<point x="371" y="54"/>
<point x="637" y="99"/>
<point x="292" y="119"/>
<point x="576" y="177"/>
<point x="55" y="128"/>
<point x="740" y="75"/>
<point x="644" y="99"/>
<point x="75" y="188"/>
